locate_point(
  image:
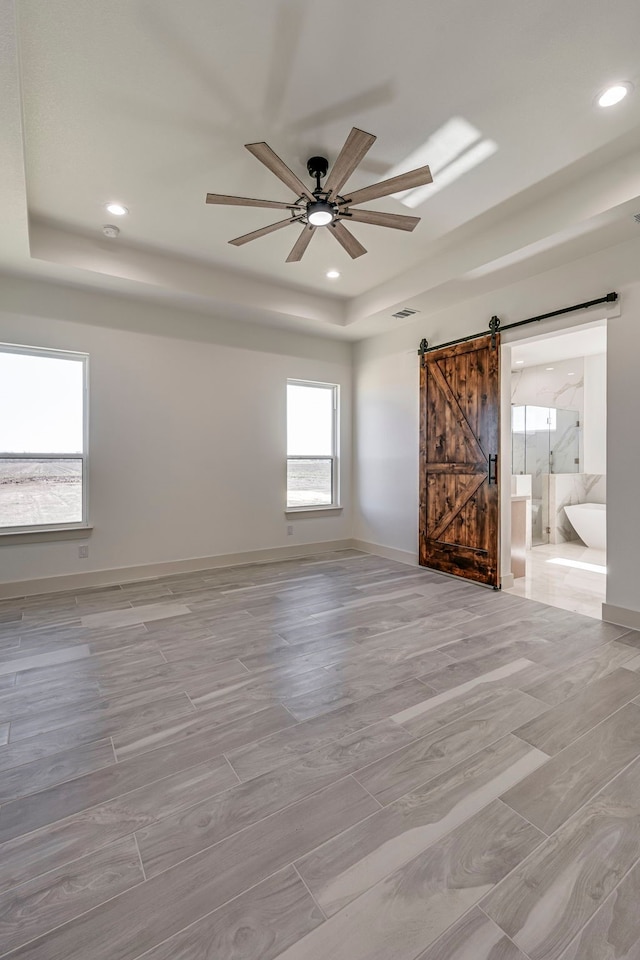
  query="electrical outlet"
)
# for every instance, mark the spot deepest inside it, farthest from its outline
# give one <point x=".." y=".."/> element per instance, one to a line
<point x="290" y="530"/>
<point x="83" y="552"/>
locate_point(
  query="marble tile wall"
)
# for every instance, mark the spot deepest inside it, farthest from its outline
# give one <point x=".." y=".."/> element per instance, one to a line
<point x="565" y="489"/>
<point x="550" y="388"/>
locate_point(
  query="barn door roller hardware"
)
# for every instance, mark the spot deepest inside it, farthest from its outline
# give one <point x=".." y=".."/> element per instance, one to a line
<point x="495" y="325"/>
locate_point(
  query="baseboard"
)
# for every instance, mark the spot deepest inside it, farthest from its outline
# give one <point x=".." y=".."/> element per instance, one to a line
<point x="389" y="553"/>
<point x="621" y="616"/>
<point x="507" y="580"/>
<point x="150" y="571"/>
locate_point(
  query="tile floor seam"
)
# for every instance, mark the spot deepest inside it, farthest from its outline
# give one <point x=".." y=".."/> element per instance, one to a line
<point x="140" y="956"/>
<point x="251" y="825"/>
<point x="455" y="826"/>
<point x="274" y="813"/>
<point x="192" y="704"/>
<point x="242" y="664"/>
<point x="293" y="759"/>
<point x="498" y="927"/>
<point x="446" y="770"/>
<point x="233" y="771"/>
<point x="73" y="724"/>
<point x="58" y="783"/>
<point x="108" y="799"/>
<point x="593" y="796"/>
<point x="135" y="840"/>
<point x="366" y="791"/>
<point x="87" y="810"/>
<point x="309" y="892"/>
<point x="464" y="820"/>
<point x="83" y="913"/>
<point x="37" y="876"/>
<point x="635" y="863"/>
<point x="502" y="694"/>
<point x="550" y="836"/>
<point x="571" y="743"/>
<point x="521" y="815"/>
<point x="410" y="859"/>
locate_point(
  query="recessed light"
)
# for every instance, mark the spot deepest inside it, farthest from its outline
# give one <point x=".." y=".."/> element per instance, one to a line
<point x="333" y="274"/>
<point x="549" y="368"/>
<point x="519" y="361"/>
<point x="116" y="209"/>
<point x="614" y="94"/>
<point x="572" y="374"/>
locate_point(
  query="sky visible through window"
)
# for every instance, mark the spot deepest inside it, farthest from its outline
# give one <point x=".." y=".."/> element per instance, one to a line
<point x="41" y="403"/>
<point x="309" y="421"/>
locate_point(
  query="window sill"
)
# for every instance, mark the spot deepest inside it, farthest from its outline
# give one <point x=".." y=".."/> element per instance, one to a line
<point x="11" y="537"/>
<point x="318" y="508"/>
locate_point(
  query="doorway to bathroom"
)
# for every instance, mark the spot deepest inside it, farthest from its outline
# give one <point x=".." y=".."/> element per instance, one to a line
<point x="557" y="460"/>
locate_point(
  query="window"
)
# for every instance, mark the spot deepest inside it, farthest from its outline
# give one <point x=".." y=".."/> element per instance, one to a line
<point x="43" y="449"/>
<point x="312" y="461"/>
<point x="530" y="419"/>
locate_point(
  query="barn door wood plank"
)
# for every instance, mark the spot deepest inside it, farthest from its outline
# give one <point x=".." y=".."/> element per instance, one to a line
<point x="458" y="415"/>
<point x="463" y="494"/>
<point x="459" y="432"/>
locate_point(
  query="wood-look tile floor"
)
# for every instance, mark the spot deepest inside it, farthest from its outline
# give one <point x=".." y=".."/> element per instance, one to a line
<point x="336" y="758"/>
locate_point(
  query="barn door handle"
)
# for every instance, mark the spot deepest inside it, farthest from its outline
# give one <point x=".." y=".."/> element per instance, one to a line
<point x="493" y="468"/>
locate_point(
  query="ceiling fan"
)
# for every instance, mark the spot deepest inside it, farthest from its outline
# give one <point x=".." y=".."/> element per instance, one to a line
<point x="328" y="207"/>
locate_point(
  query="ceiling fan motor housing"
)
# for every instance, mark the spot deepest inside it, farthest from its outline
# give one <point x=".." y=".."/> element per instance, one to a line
<point x="317" y="167"/>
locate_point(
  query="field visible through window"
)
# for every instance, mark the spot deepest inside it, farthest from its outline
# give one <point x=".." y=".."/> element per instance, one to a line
<point x="308" y="482"/>
<point x="36" y="492"/>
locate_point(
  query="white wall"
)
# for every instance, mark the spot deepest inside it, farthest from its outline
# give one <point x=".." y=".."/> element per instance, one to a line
<point x="386" y="449"/>
<point x="623" y="454"/>
<point x="595" y="414"/>
<point x="187" y="429"/>
<point x="386" y="378"/>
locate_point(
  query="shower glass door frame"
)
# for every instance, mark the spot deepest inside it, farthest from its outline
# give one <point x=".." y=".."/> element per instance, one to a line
<point x="545" y="440"/>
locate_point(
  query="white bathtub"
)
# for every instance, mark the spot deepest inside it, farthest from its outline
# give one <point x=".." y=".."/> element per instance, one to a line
<point x="589" y="520"/>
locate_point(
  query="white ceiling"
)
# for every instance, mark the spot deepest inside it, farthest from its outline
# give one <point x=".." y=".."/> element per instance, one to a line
<point x="149" y="102"/>
<point x="586" y="341"/>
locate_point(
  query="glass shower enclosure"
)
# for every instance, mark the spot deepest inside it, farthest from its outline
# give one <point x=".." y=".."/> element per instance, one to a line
<point x="544" y="440"/>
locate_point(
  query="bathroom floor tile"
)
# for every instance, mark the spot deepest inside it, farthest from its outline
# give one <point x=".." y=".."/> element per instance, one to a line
<point x="580" y="588"/>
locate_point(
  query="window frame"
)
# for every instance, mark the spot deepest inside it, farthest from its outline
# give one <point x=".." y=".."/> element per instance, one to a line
<point x="334" y="457"/>
<point x="83" y="524"/>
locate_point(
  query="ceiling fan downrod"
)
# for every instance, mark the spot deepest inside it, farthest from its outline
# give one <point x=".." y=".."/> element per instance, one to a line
<point x="317" y="167"/>
<point x="321" y="211"/>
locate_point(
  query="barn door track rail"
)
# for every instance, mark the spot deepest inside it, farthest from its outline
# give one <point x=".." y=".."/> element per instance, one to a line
<point x="495" y="325"/>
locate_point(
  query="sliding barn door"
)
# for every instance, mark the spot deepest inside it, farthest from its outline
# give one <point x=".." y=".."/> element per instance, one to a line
<point x="459" y="479"/>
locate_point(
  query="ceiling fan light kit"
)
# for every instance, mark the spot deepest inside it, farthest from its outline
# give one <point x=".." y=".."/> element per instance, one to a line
<point x="320" y="213"/>
<point x="327" y="207"/>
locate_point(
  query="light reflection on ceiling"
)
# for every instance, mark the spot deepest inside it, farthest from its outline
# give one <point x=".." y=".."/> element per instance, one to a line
<point x="453" y="150"/>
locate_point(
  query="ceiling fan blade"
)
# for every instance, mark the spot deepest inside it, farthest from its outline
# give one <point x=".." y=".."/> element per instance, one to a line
<point x="301" y="244"/>
<point x="271" y="160"/>
<point x="353" y="247"/>
<point x="356" y="147"/>
<point x="413" y="178"/>
<point x="262" y="232"/>
<point x="396" y="220"/>
<point x="247" y="202"/>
